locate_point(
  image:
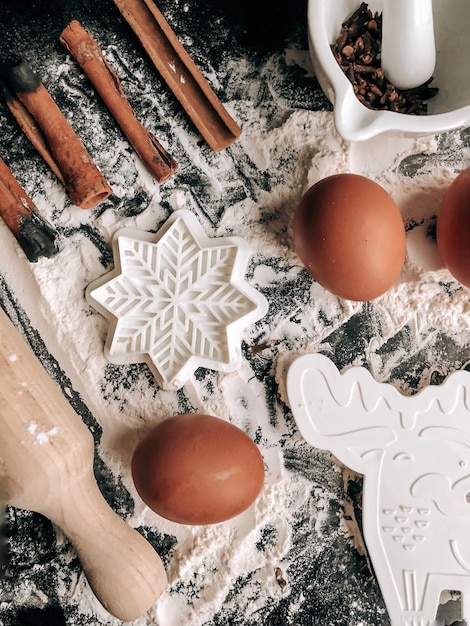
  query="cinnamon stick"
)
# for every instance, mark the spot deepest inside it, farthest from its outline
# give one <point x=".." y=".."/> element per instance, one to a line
<point x="31" y="129"/>
<point x="85" y="184"/>
<point x="180" y="72"/>
<point x="34" y="234"/>
<point x="106" y="82"/>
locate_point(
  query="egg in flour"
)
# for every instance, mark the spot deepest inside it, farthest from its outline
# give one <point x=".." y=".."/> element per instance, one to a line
<point x="453" y="228"/>
<point x="350" y="235"/>
<point x="197" y="469"/>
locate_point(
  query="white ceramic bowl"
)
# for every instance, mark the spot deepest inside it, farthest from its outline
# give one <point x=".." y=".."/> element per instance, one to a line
<point x="448" y="110"/>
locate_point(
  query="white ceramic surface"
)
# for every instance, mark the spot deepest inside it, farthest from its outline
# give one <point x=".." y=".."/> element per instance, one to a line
<point x="448" y="110"/>
<point x="408" y="42"/>
<point x="177" y="300"/>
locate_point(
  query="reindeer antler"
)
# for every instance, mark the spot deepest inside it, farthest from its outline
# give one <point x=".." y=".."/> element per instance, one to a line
<point x="348" y="414"/>
<point x="351" y="414"/>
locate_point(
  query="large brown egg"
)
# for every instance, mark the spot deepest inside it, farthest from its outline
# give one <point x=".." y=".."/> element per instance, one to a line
<point x="197" y="469"/>
<point x="349" y="234"/>
<point x="453" y="228"/>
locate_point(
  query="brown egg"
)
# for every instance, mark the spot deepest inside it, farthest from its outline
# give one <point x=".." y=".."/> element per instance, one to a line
<point x="453" y="228"/>
<point x="197" y="469"/>
<point x="349" y="234"/>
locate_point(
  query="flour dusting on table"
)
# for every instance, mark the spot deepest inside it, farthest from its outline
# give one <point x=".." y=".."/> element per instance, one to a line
<point x="294" y="553"/>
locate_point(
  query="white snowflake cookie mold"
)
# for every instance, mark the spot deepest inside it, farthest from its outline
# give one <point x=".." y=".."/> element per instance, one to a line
<point x="176" y="300"/>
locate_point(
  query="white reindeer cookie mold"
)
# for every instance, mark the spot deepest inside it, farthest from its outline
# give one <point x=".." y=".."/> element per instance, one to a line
<point x="414" y="453"/>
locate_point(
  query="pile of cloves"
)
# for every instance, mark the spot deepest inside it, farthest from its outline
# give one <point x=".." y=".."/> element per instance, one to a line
<point x="357" y="51"/>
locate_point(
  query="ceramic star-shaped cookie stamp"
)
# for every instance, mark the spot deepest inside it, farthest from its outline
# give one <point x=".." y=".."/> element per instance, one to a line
<point x="177" y="300"/>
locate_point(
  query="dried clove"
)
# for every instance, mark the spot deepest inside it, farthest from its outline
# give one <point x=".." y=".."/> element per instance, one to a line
<point x="357" y="52"/>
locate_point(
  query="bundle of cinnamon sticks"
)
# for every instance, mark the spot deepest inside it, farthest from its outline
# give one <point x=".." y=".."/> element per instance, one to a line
<point x="48" y="130"/>
<point x="180" y="72"/>
<point x="106" y="82"/>
<point x="45" y="126"/>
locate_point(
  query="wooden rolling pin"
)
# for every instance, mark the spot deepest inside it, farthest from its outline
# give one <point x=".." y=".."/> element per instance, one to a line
<point x="46" y="465"/>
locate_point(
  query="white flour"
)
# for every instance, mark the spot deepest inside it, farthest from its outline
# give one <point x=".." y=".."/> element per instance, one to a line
<point x="220" y="554"/>
<point x="300" y="149"/>
<point x="41" y="436"/>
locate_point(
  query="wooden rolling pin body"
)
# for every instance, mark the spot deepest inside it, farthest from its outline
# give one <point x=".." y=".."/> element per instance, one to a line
<point x="46" y="465"/>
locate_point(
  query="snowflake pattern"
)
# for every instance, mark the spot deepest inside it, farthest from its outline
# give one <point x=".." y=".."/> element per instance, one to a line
<point x="176" y="300"/>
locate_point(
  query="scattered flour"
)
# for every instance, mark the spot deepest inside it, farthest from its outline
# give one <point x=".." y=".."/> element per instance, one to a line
<point x="217" y="556"/>
<point x="41" y="436"/>
<point x="293" y="154"/>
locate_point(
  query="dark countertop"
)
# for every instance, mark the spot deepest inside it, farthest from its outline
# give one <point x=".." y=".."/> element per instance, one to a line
<point x="330" y="581"/>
